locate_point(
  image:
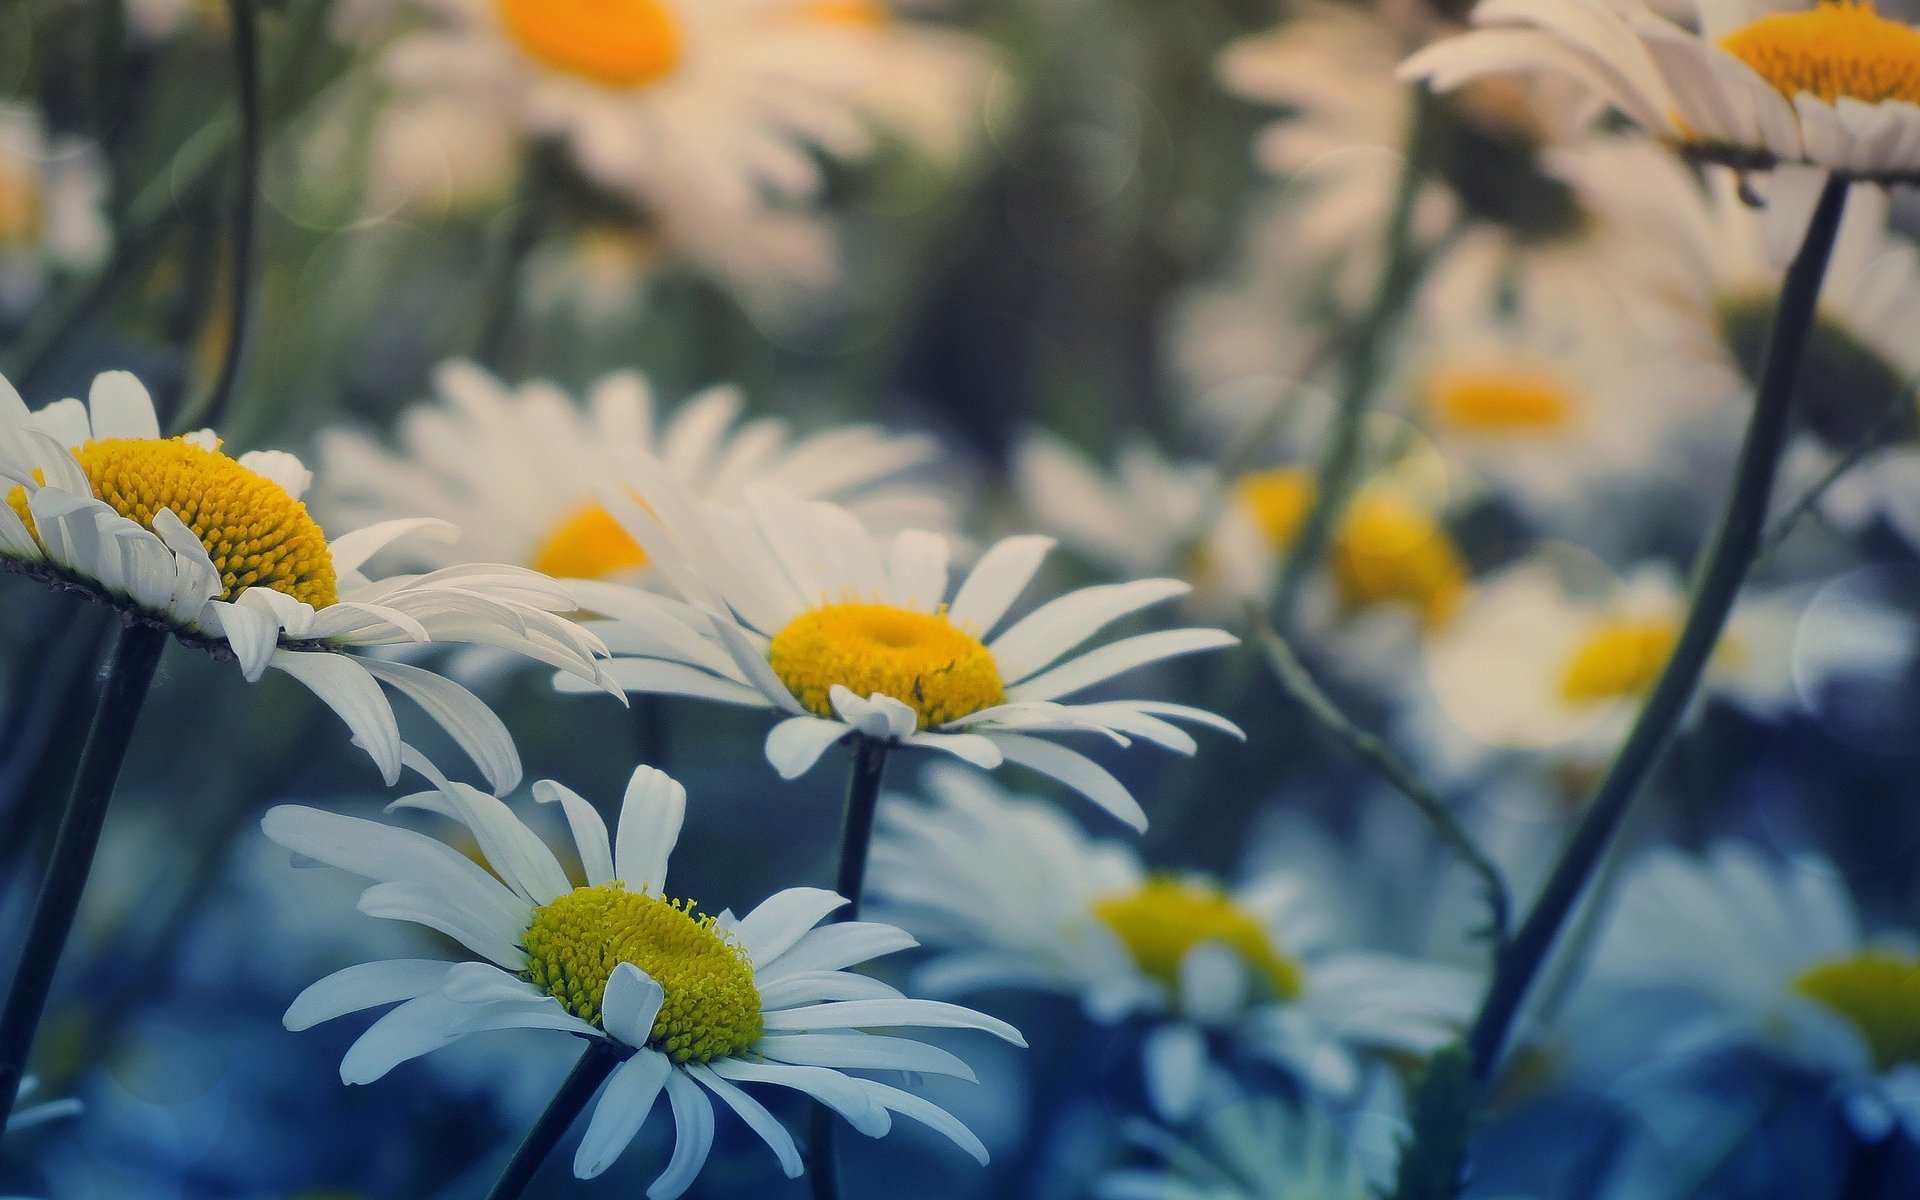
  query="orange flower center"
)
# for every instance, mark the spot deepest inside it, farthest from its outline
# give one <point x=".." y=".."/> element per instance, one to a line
<point x="618" y="43"/>
<point x="1833" y="51"/>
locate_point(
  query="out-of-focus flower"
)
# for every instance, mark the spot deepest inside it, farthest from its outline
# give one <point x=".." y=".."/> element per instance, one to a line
<point x="1262" y="1147"/>
<point x="797" y="607"/>
<point x="1804" y="92"/>
<point x="53" y="193"/>
<point x="694" y="1003"/>
<point x="222" y="553"/>
<point x="1533" y="663"/>
<point x="1775" y="951"/>
<point x="521" y="469"/>
<point x="1019" y="897"/>
<point x="713" y="117"/>
<point x="37" y="1114"/>
<point x="1572" y="226"/>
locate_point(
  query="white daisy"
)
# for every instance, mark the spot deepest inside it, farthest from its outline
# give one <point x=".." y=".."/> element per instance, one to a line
<point x="695" y="1004"/>
<point x="1776" y="951"/>
<point x="1828" y="89"/>
<point x="1020" y="897"/>
<point x="53" y="193"/>
<point x="520" y="469"/>
<point x="1543" y="659"/>
<point x="712" y="117"/>
<point x="222" y="553"/>
<point x="795" y="606"/>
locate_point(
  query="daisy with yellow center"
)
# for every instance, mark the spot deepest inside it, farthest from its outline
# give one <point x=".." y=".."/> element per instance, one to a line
<point x="1777" y="951"/>
<point x="222" y="553"/>
<point x="1015" y="895"/>
<point x="1536" y="662"/>
<point x="716" y="120"/>
<point x="520" y="469"/>
<point x="53" y="193"/>
<point x="693" y="1003"/>
<point x="1833" y="88"/>
<point x="796" y="606"/>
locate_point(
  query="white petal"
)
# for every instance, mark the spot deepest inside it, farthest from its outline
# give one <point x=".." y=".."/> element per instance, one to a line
<point x="1174" y="1058"/>
<point x="782" y="919"/>
<point x="756" y="1116"/>
<point x="864" y="1014"/>
<point x="344" y="686"/>
<point x="282" y="468"/>
<point x="795" y="744"/>
<point x="352" y="550"/>
<point x="589" y="831"/>
<point x="1075" y="770"/>
<point x="631" y="1004"/>
<point x="624" y="1104"/>
<point x="650" y="820"/>
<point x="363" y="986"/>
<point x="693" y="1137"/>
<point x="120" y="407"/>
<point x="467" y="720"/>
<point x="1002" y="573"/>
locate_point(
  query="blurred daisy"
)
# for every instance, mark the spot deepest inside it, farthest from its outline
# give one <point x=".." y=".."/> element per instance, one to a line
<point x="695" y="1004"/>
<point x="521" y="468"/>
<point x="38" y="1114"/>
<point x="1535" y="663"/>
<point x="53" y="193"/>
<point x="1831" y="88"/>
<point x="1775" y="951"/>
<point x="1390" y="552"/>
<point x="1572" y="226"/>
<point x="795" y="606"/>
<point x="715" y="119"/>
<point x="222" y="553"/>
<point x="1019" y="897"/>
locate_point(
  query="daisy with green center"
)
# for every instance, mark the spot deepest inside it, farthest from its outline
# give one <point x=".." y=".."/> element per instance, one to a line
<point x="797" y="607"/>
<point x="520" y="469"/>
<point x="1018" y="897"/>
<point x="1831" y="89"/>
<point x="1778" y="952"/>
<point x="686" y="1003"/>
<point x="221" y="554"/>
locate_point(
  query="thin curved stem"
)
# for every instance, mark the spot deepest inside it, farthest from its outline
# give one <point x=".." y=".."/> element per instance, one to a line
<point x="135" y="660"/>
<point x="211" y="408"/>
<point x="850" y="880"/>
<point x="576" y="1091"/>
<point x="1726" y="566"/>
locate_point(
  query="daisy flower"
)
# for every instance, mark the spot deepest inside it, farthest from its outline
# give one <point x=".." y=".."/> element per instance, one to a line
<point x="520" y="469"/>
<point x="795" y="606"/>
<point x="221" y="553"/>
<point x="714" y="118"/>
<point x="1019" y="897"/>
<point x="53" y="193"/>
<point x="694" y="1004"/>
<point x="1777" y="953"/>
<point x="1803" y="92"/>
<point x="1542" y="660"/>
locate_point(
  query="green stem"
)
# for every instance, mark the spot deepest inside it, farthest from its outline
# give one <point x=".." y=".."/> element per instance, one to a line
<point x="1883" y="430"/>
<point x="1726" y="567"/>
<point x="1337" y="475"/>
<point x="135" y="660"/>
<point x="566" y="1106"/>
<point x="856" y="839"/>
<point x="212" y="407"/>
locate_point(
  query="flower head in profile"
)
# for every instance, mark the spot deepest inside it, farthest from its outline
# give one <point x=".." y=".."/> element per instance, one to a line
<point x="1777" y="950"/>
<point x="521" y="469"/>
<point x="1804" y="91"/>
<point x="1016" y="896"/>
<point x="222" y="553"/>
<point x="696" y="1004"/>
<point x="797" y="607"/>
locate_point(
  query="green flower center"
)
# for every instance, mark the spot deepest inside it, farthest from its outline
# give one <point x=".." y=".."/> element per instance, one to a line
<point x="1166" y="918"/>
<point x="1879" y="995"/>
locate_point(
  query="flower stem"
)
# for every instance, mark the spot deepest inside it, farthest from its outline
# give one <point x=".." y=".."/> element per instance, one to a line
<point x="575" y="1091"/>
<point x="1725" y="570"/>
<point x="135" y="660"/>
<point x="1337" y="474"/>
<point x="856" y="838"/>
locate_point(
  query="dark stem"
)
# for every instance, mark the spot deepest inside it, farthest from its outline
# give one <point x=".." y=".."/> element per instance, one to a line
<point x="212" y="408"/>
<point x="1725" y="570"/>
<point x="1337" y="475"/>
<point x="44" y="732"/>
<point x="134" y="661"/>
<point x="527" y="222"/>
<point x="575" y="1091"/>
<point x="856" y="839"/>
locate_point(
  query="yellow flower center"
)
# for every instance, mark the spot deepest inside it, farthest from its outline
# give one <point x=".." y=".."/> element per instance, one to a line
<point x="1879" y="995"/>
<point x="588" y="544"/>
<point x="1833" y="51"/>
<point x="255" y="532"/>
<point x="921" y="659"/>
<point x="1387" y="550"/>
<point x="1164" y="920"/>
<point x="619" y="43"/>
<point x="1618" y="660"/>
<point x="22" y="202"/>
<point x="872" y="14"/>
<point x="1499" y="401"/>
<point x="712" y="1007"/>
